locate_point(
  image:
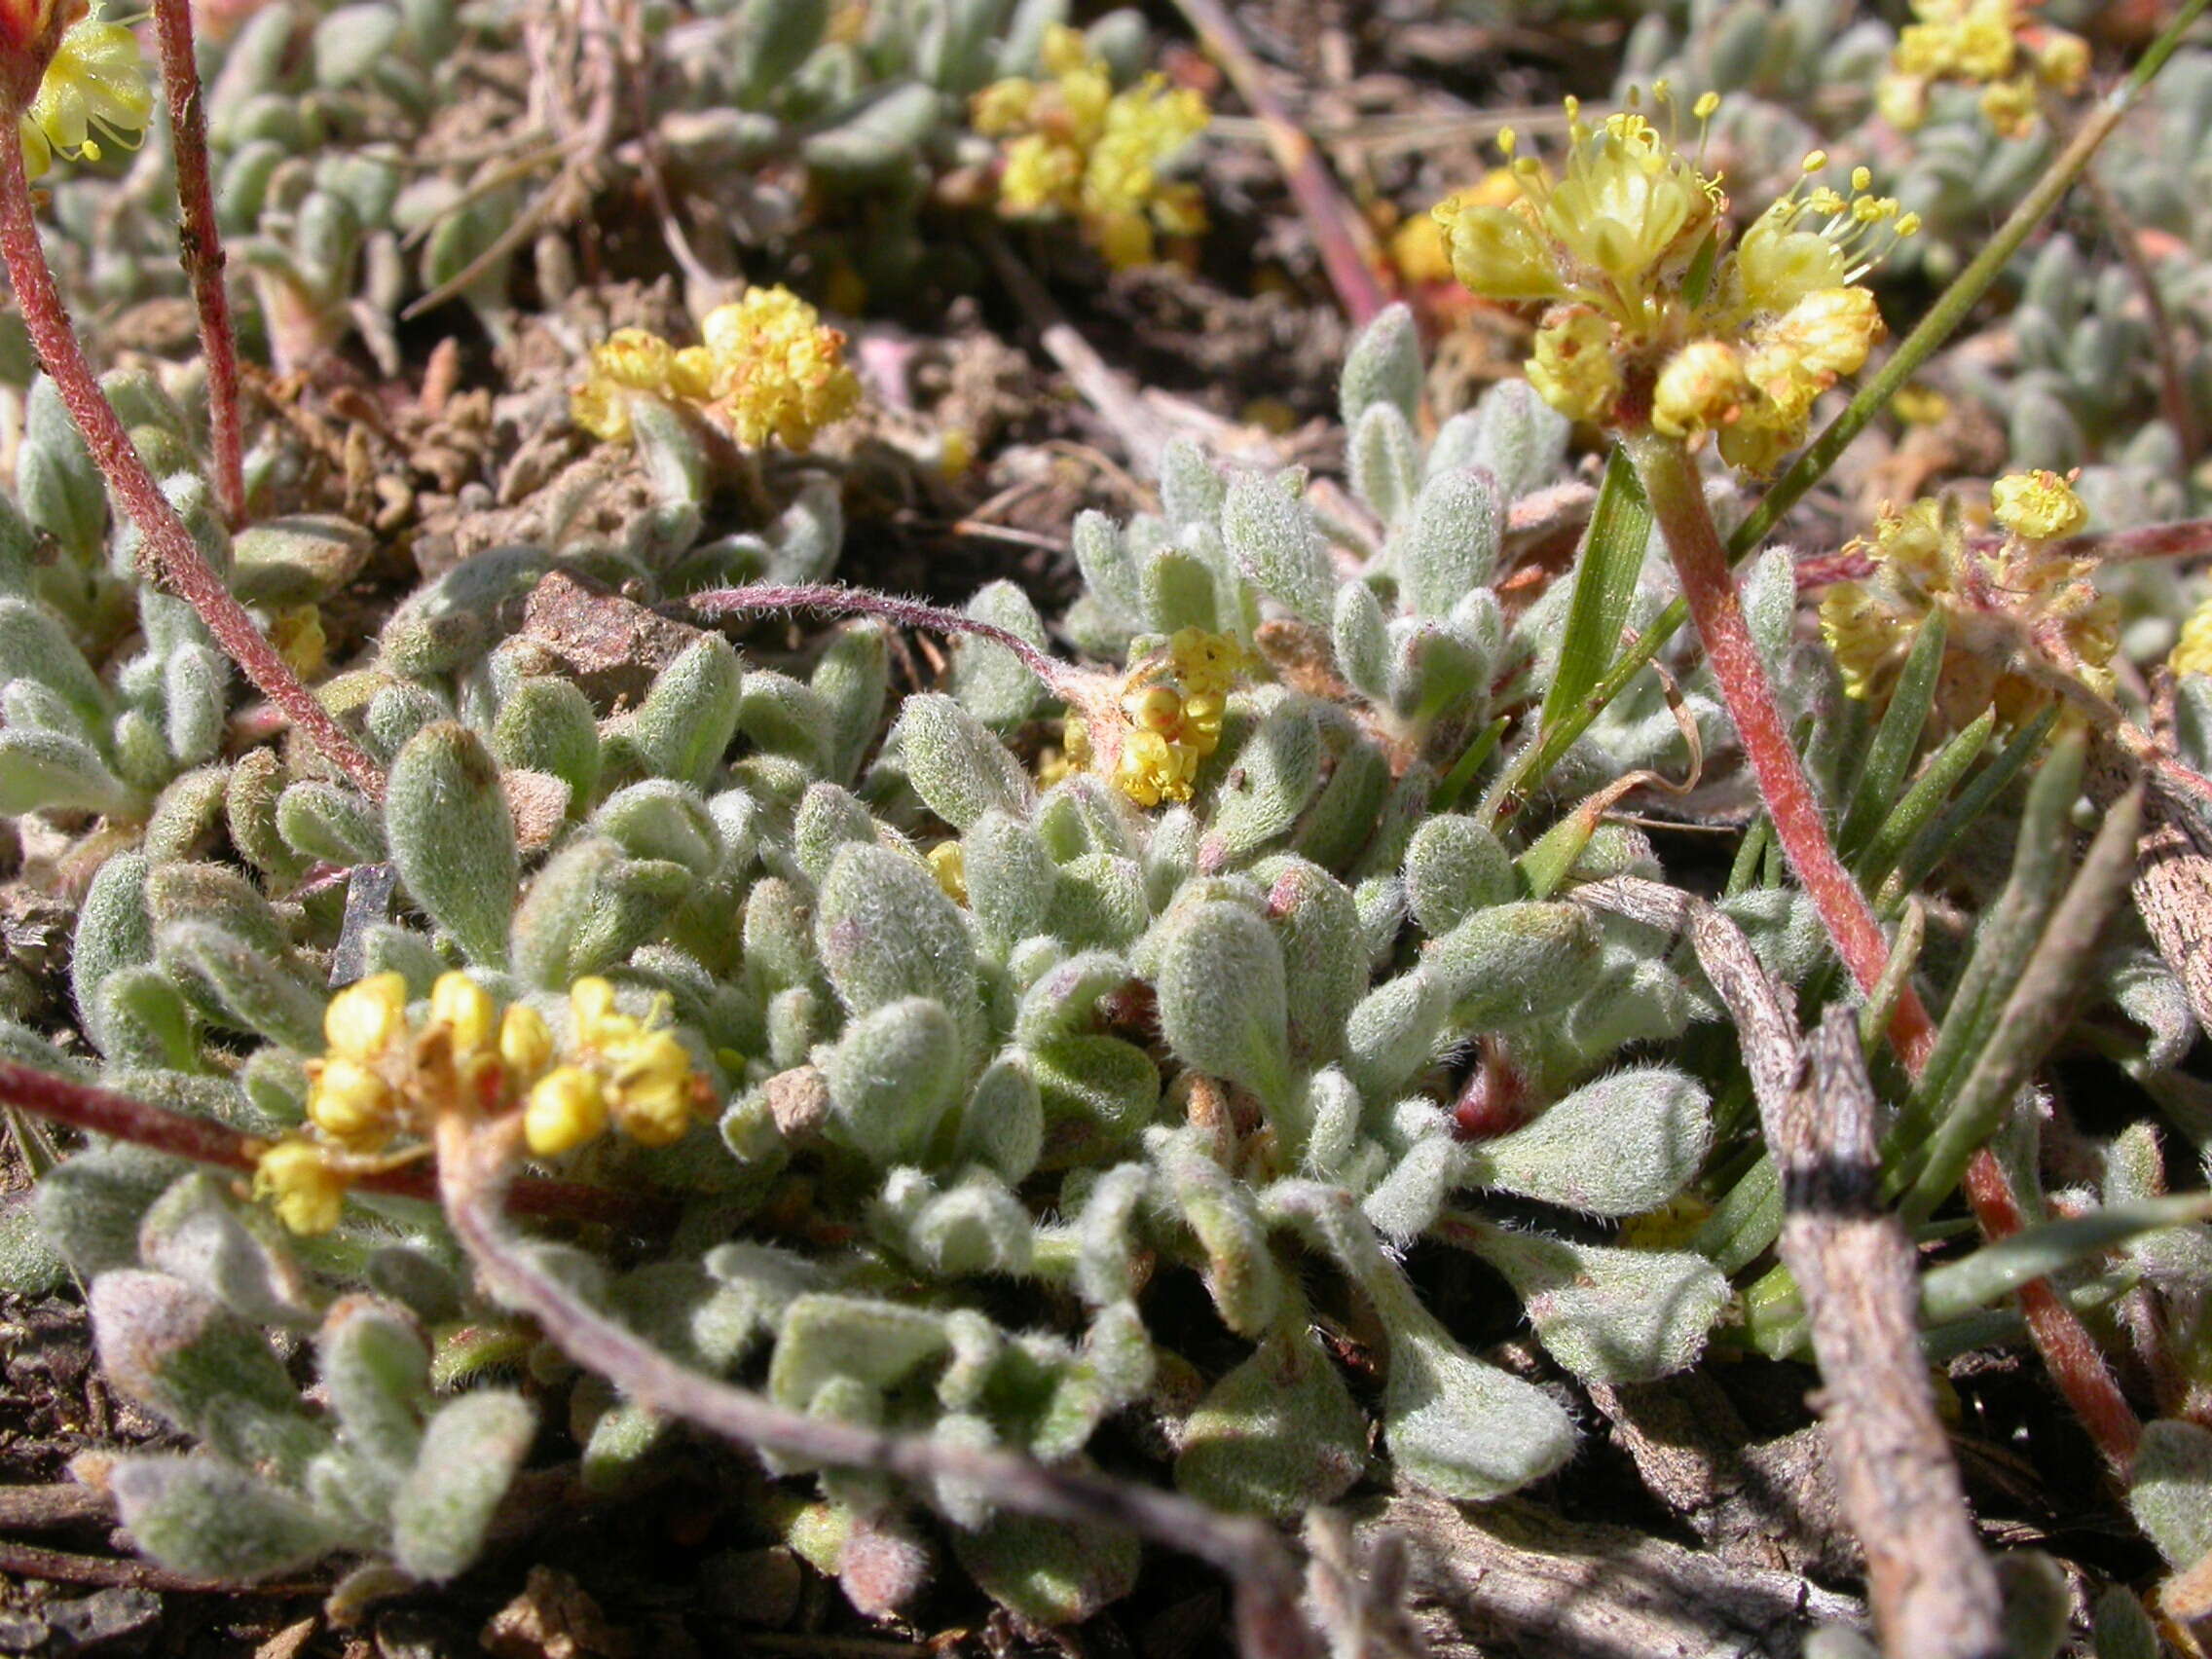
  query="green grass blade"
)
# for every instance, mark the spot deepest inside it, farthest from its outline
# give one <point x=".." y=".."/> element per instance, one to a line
<point x="1897" y="739"/>
<point x="1604" y="585"/>
<point x="1919" y="805"/>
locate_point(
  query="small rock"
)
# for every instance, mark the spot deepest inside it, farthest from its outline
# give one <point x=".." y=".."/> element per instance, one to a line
<point x="612" y="646"/>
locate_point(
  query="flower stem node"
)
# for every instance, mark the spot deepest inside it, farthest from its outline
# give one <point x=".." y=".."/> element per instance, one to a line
<point x="2024" y="623"/>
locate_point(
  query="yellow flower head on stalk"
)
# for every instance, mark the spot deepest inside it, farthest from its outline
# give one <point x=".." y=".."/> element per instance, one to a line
<point x="767" y="367"/>
<point x="2025" y="624"/>
<point x="1169" y="716"/>
<point x="777" y="369"/>
<point x="1615" y="230"/>
<point x="95" y="89"/>
<point x="1072" y="147"/>
<point x="1653" y="318"/>
<point x="644" y="1075"/>
<point x="385" y="1078"/>
<point x="1995" y="45"/>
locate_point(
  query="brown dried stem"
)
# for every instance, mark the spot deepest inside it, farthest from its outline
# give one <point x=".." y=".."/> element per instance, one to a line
<point x="473" y="1164"/>
<point x="174" y="558"/>
<point x="201" y="245"/>
<point x="1933" y="1593"/>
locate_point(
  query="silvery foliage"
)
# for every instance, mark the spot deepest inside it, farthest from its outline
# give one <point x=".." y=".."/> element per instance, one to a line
<point x="1215" y="1045"/>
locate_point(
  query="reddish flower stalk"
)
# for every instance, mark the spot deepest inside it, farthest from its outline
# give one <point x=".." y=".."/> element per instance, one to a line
<point x="202" y="247"/>
<point x="173" y="556"/>
<point x="1669" y="479"/>
<point x="202" y="1140"/>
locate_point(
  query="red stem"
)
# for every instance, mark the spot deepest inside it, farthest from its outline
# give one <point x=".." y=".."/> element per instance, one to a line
<point x="175" y="558"/>
<point x="1671" y="481"/>
<point x="1709" y="586"/>
<point x="201" y="245"/>
<point x="202" y="1140"/>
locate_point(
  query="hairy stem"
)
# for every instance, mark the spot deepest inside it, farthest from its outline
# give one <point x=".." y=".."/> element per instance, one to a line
<point x="767" y="600"/>
<point x="472" y="1167"/>
<point x="201" y="245"/>
<point x="1671" y="481"/>
<point x="176" y="559"/>
<point x="202" y="1140"/>
<point x="1709" y="587"/>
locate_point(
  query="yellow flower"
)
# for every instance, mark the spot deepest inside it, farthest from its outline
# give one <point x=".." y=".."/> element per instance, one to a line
<point x="1206" y="662"/>
<point x="1574" y="368"/>
<point x="601" y="408"/>
<point x="566" y="1108"/>
<point x="2040" y="505"/>
<point x="636" y="358"/>
<point x="2009" y="107"/>
<point x="525" y="1041"/>
<point x="309" y="1195"/>
<point x="652" y="1089"/>
<point x="2025" y="622"/>
<point x="1992" y="44"/>
<point x="366" y="1019"/>
<point x="94" y="86"/>
<point x="1702" y="386"/>
<point x="778" y="371"/>
<point x="2192" y="652"/>
<point x="464" y="1009"/>
<point x="1072" y="146"/>
<point x="2062" y="62"/>
<point x="591" y="1004"/>
<point x="948" y="863"/>
<point x="349" y="1103"/>
<point x="1617" y="230"/>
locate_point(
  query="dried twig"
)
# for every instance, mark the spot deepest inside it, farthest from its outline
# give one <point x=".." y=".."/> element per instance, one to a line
<point x="473" y="1165"/>
<point x="763" y="599"/>
<point x="1933" y="1593"/>
<point x="1346" y="245"/>
<point x="62" y="1566"/>
<point x="1143" y="433"/>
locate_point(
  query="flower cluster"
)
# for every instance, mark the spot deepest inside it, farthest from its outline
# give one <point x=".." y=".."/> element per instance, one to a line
<point x="1073" y="147"/>
<point x="1990" y="44"/>
<point x="95" y="86"/>
<point x="2025" y="622"/>
<point x="383" y="1079"/>
<point x="1172" y="705"/>
<point x="633" y="1073"/>
<point x="1652" y="317"/>
<point x="767" y="367"/>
